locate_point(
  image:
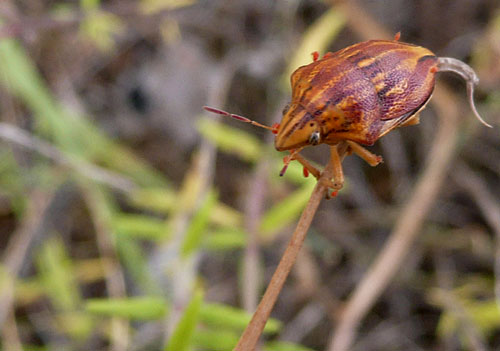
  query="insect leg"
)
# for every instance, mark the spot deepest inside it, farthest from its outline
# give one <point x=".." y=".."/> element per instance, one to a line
<point x="307" y="165"/>
<point x="315" y="172"/>
<point x="338" y="173"/>
<point x="366" y="155"/>
<point x="412" y="121"/>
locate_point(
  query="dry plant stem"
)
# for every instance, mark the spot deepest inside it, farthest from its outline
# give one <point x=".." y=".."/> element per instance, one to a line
<point x="446" y="297"/>
<point x="304" y="162"/>
<point x="201" y="173"/>
<point x="18" y="248"/>
<point x="466" y="325"/>
<point x="489" y="206"/>
<point x="252" y="282"/>
<point x="114" y="275"/>
<point x="360" y="22"/>
<point x="18" y="136"/>
<point x="406" y="229"/>
<point x="251" y="335"/>
<point x="10" y="335"/>
<point x="250" y="285"/>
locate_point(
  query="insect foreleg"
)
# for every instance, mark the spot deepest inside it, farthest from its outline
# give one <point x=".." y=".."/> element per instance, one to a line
<point x="336" y="162"/>
<point x="307" y="165"/>
<point x="366" y="155"/>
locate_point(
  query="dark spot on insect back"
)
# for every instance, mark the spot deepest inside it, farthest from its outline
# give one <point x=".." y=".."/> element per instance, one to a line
<point x="358" y="57"/>
<point x="335" y="100"/>
<point x="345" y="125"/>
<point x="427" y="57"/>
<point x="390" y="80"/>
<point x="372" y="70"/>
<point x="381" y="93"/>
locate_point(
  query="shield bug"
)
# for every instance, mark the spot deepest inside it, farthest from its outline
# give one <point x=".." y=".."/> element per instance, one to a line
<point x="357" y="95"/>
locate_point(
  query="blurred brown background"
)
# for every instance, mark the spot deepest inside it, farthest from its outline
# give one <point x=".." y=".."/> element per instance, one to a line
<point x="119" y="85"/>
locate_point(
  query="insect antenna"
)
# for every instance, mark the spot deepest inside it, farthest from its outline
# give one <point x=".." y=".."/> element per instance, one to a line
<point x="273" y="128"/>
<point x="449" y="64"/>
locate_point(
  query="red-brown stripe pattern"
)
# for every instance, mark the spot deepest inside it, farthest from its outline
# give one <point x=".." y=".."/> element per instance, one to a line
<point x="354" y="91"/>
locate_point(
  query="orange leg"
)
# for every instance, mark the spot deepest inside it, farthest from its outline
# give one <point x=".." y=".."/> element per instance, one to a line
<point x="336" y="157"/>
<point x="366" y="155"/>
<point x="338" y="173"/>
<point x="314" y="171"/>
<point x="307" y="165"/>
<point x="412" y="121"/>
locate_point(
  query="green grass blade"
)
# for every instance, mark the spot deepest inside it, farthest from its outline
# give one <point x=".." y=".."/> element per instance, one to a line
<point x="215" y="339"/>
<point x="231" y="140"/>
<point x="223" y="316"/>
<point x="57" y="275"/>
<point x="317" y="38"/>
<point x="21" y="77"/>
<point x="73" y="134"/>
<point x="132" y="256"/>
<point x="138" y="308"/>
<point x="284" y="346"/>
<point x="225" y="239"/>
<point x="287" y="211"/>
<point x="58" y="280"/>
<point x="198" y="225"/>
<point x="181" y="337"/>
<point x="139" y="226"/>
<point x="160" y="200"/>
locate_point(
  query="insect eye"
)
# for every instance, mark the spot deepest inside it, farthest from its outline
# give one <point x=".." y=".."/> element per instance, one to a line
<point x="285" y="109"/>
<point x="314" y="138"/>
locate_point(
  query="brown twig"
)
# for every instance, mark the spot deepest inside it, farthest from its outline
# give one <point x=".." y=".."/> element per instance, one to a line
<point x="251" y="335"/>
<point x="20" y="137"/>
<point x="489" y="206"/>
<point x="468" y="328"/>
<point x="444" y="296"/>
<point x="114" y="275"/>
<point x="198" y="185"/>
<point x="10" y="334"/>
<point x="254" y="207"/>
<point x="18" y="248"/>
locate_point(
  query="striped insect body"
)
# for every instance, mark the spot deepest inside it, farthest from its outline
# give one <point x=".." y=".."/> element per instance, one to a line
<point x="357" y="95"/>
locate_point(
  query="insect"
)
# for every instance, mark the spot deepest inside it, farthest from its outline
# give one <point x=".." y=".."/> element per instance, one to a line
<point x="354" y="96"/>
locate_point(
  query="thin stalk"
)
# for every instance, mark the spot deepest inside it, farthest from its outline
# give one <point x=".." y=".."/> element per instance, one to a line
<point x="251" y="335"/>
